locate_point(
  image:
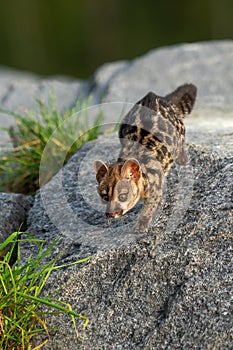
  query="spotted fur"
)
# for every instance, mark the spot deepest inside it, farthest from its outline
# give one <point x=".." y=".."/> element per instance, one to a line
<point x="152" y="136"/>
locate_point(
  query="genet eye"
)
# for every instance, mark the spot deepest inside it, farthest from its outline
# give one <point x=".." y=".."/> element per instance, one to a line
<point x="123" y="197"/>
<point x="105" y="198"/>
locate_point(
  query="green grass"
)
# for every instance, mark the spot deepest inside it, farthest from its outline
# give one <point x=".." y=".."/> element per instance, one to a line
<point x="19" y="168"/>
<point x="21" y="317"/>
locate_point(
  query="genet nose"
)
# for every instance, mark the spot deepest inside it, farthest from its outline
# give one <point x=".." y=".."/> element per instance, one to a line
<point x="115" y="214"/>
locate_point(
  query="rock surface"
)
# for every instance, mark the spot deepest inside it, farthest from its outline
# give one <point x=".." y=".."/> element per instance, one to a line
<point x="206" y="64"/>
<point x="169" y="289"/>
<point x="13" y="214"/>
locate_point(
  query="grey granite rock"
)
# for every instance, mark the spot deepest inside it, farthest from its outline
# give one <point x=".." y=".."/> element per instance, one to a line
<point x="169" y="289"/>
<point x="13" y="214"/>
<point x="102" y="78"/>
<point x="209" y="65"/>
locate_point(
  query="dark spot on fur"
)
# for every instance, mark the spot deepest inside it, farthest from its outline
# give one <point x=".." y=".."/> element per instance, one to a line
<point x="158" y="136"/>
<point x="160" y="155"/>
<point x="168" y="164"/>
<point x="164" y="150"/>
<point x="143" y="134"/>
<point x="126" y="130"/>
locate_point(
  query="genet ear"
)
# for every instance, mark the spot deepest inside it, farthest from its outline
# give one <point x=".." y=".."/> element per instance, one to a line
<point x="131" y="170"/>
<point x="101" y="169"/>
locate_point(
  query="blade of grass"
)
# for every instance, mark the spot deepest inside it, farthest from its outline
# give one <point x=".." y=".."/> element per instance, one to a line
<point x="55" y="306"/>
<point x="19" y="296"/>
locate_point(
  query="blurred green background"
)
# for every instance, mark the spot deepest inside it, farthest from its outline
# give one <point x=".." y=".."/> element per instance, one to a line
<point x="74" y="37"/>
